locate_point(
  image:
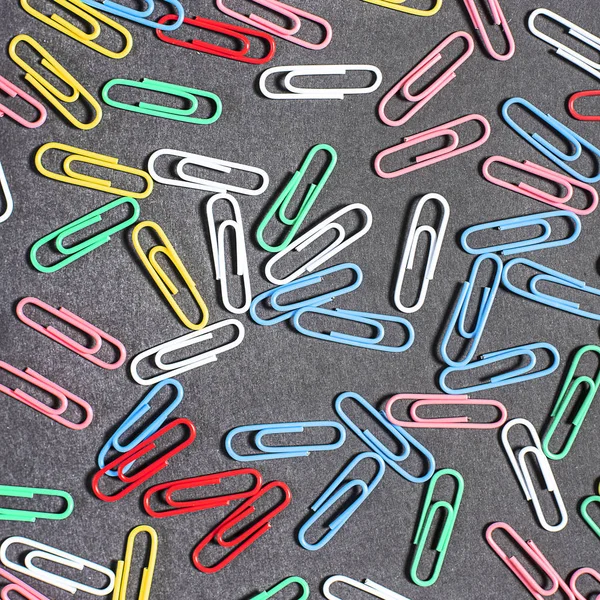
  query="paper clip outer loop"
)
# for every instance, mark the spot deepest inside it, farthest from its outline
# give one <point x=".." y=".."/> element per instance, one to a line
<point x="417" y="12"/>
<point x="583" y="509"/>
<point x="13" y="91"/>
<point x="18" y="586"/>
<point x="29" y="516"/>
<point x="124" y="566"/>
<point x="5" y="191"/>
<point x="281" y="586"/>
<point x="571" y="105"/>
<point x="498" y="19"/>
<point x="138" y="16"/>
<point x="369" y="587"/>
<point x="576" y="575"/>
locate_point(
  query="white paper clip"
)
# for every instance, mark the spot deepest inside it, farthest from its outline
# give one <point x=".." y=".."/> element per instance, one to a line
<point x="522" y="472"/>
<point x="296" y="93"/>
<point x="593" y="68"/>
<point x="44" y="552"/>
<point x="187" y="364"/>
<point x="436" y="238"/>
<point x="8" y="201"/>
<point x="223" y="166"/>
<point x="370" y="587"/>
<point x="338" y="244"/>
<point x="217" y="243"/>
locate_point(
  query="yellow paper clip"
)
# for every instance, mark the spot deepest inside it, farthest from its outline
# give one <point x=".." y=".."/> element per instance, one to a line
<point x="89" y="16"/>
<point x="124" y="566"/>
<point x="46" y="89"/>
<point x="165" y="285"/>
<point x="397" y="5"/>
<point x="91" y="158"/>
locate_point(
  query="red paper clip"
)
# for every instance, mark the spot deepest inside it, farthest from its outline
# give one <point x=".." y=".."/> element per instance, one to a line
<point x="571" y="105"/>
<point x="18" y="586"/>
<point x="247" y="536"/>
<point x="240" y="34"/>
<point x="181" y="507"/>
<point x="97" y="335"/>
<point x="13" y="91"/>
<point x="124" y="461"/>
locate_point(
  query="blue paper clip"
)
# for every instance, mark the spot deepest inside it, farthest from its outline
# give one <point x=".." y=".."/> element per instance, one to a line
<point x="287" y="310"/>
<point x="270" y="452"/>
<point x="371" y="319"/>
<point x="550" y="276"/>
<point x="136" y="414"/>
<point x="515" y="376"/>
<point x="545" y="147"/>
<point x="457" y="320"/>
<point x="139" y="16"/>
<point x="333" y="493"/>
<point x="527" y="245"/>
<point x="404" y="439"/>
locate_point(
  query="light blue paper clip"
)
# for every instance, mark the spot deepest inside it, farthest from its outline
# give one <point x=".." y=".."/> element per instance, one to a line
<point x="527" y="245"/>
<point x="333" y="493"/>
<point x="515" y="376"/>
<point x="271" y="452"/>
<point x="545" y="147"/>
<point x="371" y="319"/>
<point x="457" y="320"/>
<point x="139" y="16"/>
<point x="288" y="310"/>
<point x="550" y="276"/>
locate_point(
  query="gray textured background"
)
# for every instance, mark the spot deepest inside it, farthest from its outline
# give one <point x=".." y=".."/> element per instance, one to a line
<point x="278" y="375"/>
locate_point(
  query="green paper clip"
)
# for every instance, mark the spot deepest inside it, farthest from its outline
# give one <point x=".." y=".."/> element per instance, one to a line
<point x="29" y="516"/>
<point x="567" y="392"/>
<point x="425" y="522"/>
<point x="586" y="517"/>
<point x="166" y="112"/>
<point x="283" y="200"/>
<point x="280" y="586"/>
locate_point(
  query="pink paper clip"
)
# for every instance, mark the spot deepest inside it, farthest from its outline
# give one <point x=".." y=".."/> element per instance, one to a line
<point x="87" y="352"/>
<point x="19" y="587"/>
<point x="536" y="557"/>
<point x="532" y="192"/>
<point x="13" y="91"/>
<point x="422" y="98"/>
<point x="63" y="396"/>
<point x="430" y="158"/>
<point x="573" y="581"/>
<point x="289" y="12"/>
<point x="443" y="422"/>
<point x="499" y="19"/>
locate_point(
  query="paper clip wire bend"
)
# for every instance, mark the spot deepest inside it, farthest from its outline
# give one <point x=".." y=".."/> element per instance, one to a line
<point x="498" y="19"/>
<point x="124" y="566"/>
<point x="417" y="12"/>
<point x="571" y="105"/>
<point x="281" y="586"/>
<point x="583" y="509"/>
<point x="19" y="587"/>
<point x="30" y="516"/>
<point x="12" y="91"/>
<point x="369" y="587"/>
<point x="576" y="575"/>
<point x="5" y="194"/>
<point x="138" y="16"/>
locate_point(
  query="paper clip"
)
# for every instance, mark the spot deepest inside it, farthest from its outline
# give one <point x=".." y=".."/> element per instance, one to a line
<point x="336" y="491"/>
<point x="443" y="422"/>
<point x="298" y="93"/>
<point x="12" y="91"/>
<point x="89" y="16"/>
<point x="282" y="201"/>
<point x="19" y="587"/>
<point x="549" y="276"/>
<point x="586" y="517"/>
<point x="517" y="375"/>
<point x="418" y="12"/>
<point x="241" y="35"/>
<point x="60" y="394"/>
<point x="166" y="112"/>
<point x="320" y="229"/>
<point x="138" y="16"/>
<point x="459" y="315"/>
<point x="428" y="514"/>
<point x="124" y="462"/>
<point x="97" y="335"/>
<point x="404" y="439"/>
<point x="527" y="245"/>
<point x="124" y="566"/>
<point x="499" y="19"/>
<point x="78" y="155"/>
<point x="422" y="98"/>
<point x="369" y="587"/>
<point x="281" y="586"/>
<point x="249" y="535"/>
<point x="568" y="390"/>
<point x="576" y="575"/>
<point x="217" y="245"/>
<point x="270" y="452"/>
<point x="521" y="470"/>
<point x="532" y="192"/>
<point x="54" y="555"/>
<point x="289" y="12"/>
<point x="49" y="91"/>
<point x="30" y="516"/>
<point x="436" y="238"/>
<point x="161" y="279"/>
<point x="143" y="406"/>
<point x="182" y="507"/>
<point x="576" y="96"/>
<point x="580" y="34"/>
<point x="450" y="150"/>
<point x="5" y="193"/>
<point x="187" y="364"/>
<point x="550" y="151"/>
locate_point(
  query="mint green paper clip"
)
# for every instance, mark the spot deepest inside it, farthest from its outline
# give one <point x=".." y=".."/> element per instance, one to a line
<point x="29" y="516"/>
<point x="191" y="95"/>
<point x="280" y="586"/>
<point x="586" y="517"/>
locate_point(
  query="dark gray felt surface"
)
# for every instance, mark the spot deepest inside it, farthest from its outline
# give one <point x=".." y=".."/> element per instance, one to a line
<point x="278" y="375"/>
